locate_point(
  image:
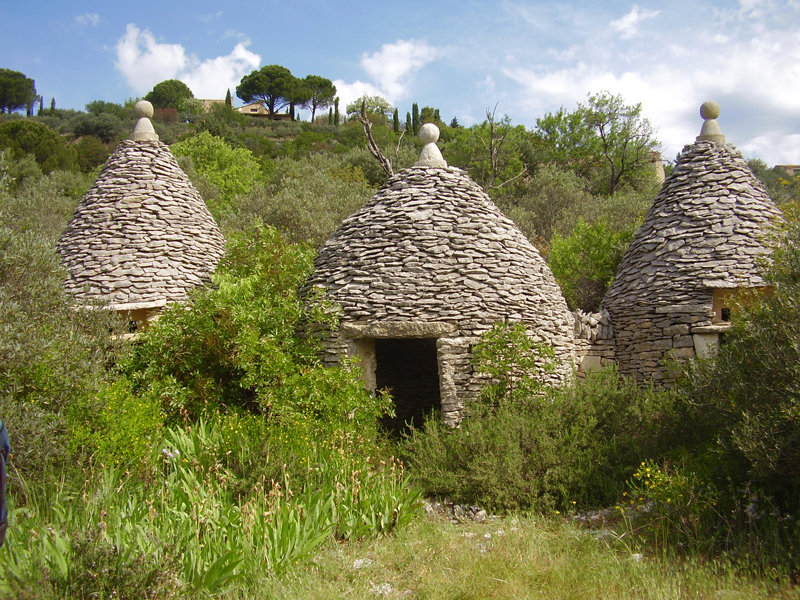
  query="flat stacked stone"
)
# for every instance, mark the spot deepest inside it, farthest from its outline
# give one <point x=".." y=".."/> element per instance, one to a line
<point x="142" y="235"/>
<point x="706" y="230"/>
<point x="431" y="250"/>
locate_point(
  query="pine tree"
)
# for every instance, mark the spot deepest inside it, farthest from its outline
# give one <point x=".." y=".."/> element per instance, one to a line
<point x="396" y="121"/>
<point x="415" y="118"/>
<point x="454" y="123"/>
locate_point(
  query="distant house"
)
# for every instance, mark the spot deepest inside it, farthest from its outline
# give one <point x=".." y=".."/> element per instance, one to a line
<point x="209" y="104"/>
<point x="257" y="109"/>
<point x="790" y="170"/>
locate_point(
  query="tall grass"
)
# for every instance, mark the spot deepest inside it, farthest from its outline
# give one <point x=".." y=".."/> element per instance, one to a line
<point x="182" y="530"/>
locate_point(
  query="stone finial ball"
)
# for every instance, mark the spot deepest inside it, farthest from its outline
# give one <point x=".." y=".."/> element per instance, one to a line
<point x="143" y="109"/>
<point x="428" y="133"/>
<point x="709" y="110"/>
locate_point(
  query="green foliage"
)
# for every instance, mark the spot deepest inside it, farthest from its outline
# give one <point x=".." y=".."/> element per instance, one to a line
<point x="605" y="141"/>
<point x="573" y="447"/>
<point x="238" y="345"/>
<point x="108" y="127"/>
<point x="513" y="363"/>
<point x="306" y="199"/>
<point x="92" y="153"/>
<point x="100" y="107"/>
<point x="781" y="187"/>
<point x="233" y="171"/>
<point x="490" y="152"/>
<point x="169" y="94"/>
<point x="45" y="145"/>
<point x="585" y="262"/>
<point x="16" y="91"/>
<point x="547" y="203"/>
<point x="747" y="398"/>
<point x="115" y="426"/>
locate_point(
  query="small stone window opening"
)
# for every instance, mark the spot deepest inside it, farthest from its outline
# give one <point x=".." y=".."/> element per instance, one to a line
<point x="408" y="369"/>
<point x="722" y="301"/>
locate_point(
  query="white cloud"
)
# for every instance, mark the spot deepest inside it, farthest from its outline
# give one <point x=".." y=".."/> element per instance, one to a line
<point x="85" y="19"/>
<point x="753" y="73"/>
<point x="627" y="26"/>
<point x="145" y="62"/>
<point x="392" y="67"/>
<point x="213" y="77"/>
<point x="348" y="92"/>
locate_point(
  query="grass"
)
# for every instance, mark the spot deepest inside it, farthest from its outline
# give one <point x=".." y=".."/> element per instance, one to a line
<point x="520" y="558"/>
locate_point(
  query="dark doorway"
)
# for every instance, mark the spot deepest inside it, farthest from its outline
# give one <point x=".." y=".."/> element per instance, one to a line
<point x="409" y="369"/>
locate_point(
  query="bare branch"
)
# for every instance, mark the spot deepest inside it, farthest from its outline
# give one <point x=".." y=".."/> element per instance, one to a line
<point x="373" y="147"/>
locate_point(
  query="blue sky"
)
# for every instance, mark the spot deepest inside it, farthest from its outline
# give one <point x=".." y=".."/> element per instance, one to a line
<point x="527" y="57"/>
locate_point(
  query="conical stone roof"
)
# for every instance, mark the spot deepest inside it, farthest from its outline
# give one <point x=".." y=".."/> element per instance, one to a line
<point x="432" y="246"/>
<point x="142" y="235"/>
<point x="706" y="229"/>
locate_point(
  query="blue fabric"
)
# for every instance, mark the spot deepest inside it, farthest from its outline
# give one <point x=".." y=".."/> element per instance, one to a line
<point x="5" y="450"/>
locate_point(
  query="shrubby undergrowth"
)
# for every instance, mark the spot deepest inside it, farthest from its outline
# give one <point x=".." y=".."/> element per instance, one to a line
<point x="544" y="449"/>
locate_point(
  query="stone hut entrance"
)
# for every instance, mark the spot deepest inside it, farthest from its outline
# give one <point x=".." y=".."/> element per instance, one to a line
<point x="409" y="369"/>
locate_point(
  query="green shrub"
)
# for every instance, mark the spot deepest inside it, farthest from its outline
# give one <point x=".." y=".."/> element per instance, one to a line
<point x="570" y="447"/>
<point x="116" y="427"/>
<point x="45" y="145"/>
<point x="239" y="345"/>
<point x="585" y="262"/>
<point x="233" y="171"/>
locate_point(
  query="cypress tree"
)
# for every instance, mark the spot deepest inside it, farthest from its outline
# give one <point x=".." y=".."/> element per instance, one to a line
<point x="409" y="124"/>
<point x="228" y="99"/>
<point x="396" y="121"/>
<point x="336" y="111"/>
<point x="52" y="106"/>
<point x="415" y="118"/>
<point x="330" y="116"/>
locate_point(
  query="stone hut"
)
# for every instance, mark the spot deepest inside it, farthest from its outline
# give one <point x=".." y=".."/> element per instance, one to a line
<point x="421" y="271"/>
<point x="142" y="236"/>
<point x="702" y="240"/>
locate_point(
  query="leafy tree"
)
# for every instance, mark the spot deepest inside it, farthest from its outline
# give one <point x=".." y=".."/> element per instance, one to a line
<point x="169" y="94"/>
<point x="35" y="139"/>
<point x="233" y="171"/>
<point x="91" y="153"/>
<point x="106" y="126"/>
<point x="100" y="107"/>
<point x="336" y="116"/>
<point x="604" y="140"/>
<point x="272" y="85"/>
<point x="320" y="92"/>
<point x="373" y="106"/>
<point x="16" y="91"/>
